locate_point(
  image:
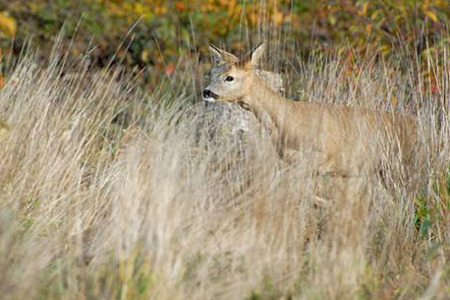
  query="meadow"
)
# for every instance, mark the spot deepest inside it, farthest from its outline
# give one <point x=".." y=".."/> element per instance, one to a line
<point x="109" y="190"/>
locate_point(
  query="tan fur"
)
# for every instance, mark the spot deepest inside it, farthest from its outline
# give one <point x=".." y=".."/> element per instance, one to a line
<point x="343" y="140"/>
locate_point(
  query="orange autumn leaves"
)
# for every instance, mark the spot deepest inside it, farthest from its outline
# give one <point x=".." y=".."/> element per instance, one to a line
<point x="251" y="11"/>
<point x="8" y="25"/>
<point x="8" y="28"/>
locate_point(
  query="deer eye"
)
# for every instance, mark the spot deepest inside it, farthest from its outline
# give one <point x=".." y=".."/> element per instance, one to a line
<point x="229" y="78"/>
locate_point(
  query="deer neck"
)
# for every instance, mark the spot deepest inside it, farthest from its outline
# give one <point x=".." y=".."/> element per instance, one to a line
<point x="264" y="102"/>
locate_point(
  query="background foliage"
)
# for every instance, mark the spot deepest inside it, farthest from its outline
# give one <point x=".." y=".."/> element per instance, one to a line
<point x="163" y="30"/>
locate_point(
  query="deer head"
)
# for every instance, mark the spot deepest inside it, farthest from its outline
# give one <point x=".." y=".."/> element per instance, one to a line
<point x="231" y="78"/>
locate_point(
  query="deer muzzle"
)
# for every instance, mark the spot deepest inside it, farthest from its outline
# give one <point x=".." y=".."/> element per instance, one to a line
<point x="209" y="96"/>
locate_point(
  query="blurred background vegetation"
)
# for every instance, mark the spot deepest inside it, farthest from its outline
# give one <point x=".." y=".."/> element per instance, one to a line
<point x="158" y="35"/>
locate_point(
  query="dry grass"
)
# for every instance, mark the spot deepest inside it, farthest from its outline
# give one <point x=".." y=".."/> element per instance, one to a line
<point x="106" y="194"/>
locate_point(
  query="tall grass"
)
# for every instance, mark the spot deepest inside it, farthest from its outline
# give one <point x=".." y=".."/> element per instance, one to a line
<point x="106" y="192"/>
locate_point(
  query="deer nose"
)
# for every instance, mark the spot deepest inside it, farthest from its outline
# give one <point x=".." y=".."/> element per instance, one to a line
<point x="209" y="95"/>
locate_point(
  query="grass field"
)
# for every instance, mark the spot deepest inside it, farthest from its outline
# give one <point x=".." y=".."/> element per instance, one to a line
<point x="107" y="192"/>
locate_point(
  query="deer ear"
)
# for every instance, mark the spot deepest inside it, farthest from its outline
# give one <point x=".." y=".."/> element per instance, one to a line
<point x="222" y="56"/>
<point x="257" y="54"/>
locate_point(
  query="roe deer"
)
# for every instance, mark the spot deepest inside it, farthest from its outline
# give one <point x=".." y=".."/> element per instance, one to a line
<point x="346" y="141"/>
